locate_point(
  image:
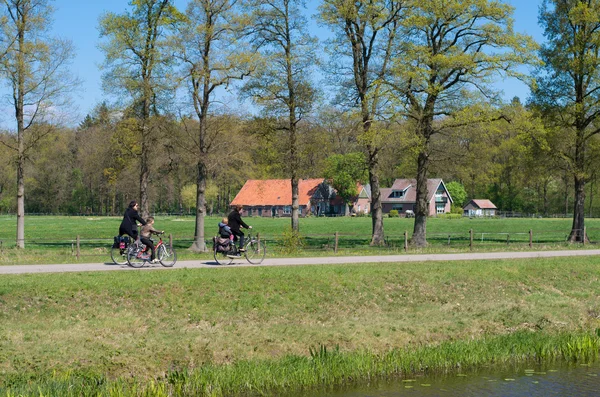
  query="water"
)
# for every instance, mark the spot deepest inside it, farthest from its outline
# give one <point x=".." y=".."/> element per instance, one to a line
<point x="534" y="381"/>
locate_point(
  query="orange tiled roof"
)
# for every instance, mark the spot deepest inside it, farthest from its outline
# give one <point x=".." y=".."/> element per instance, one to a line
<point x="484" y="204"/>
<point x="275" y="192"/>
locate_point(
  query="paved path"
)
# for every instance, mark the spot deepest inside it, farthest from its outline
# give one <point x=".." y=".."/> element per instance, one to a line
<point x="194" y="264"/>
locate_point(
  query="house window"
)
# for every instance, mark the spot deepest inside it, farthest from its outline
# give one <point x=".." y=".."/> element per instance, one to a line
<point x="397" y="207"/>
<point x="287" y="209"/>
<point x="440" y="209"/>
<point x="397" y="194"/>
<point x="249" y="211"/>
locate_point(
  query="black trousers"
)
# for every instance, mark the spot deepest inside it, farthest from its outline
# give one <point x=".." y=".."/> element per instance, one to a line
<point x="150" y="244"/>
<point x="240" y="234"/>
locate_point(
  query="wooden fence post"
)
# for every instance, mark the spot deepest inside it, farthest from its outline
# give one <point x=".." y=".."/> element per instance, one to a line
<point x="584" y="235"/>
<point x="405" y="241"/>
<point x="507" y="239"/>
<point x="78" y="249"/>
<point x="170" y="240"/>
<point x="258" y="237"/>
<point x="335" y="247"/>
<point x="530" y="238"/>
<point x="471" y="239"/>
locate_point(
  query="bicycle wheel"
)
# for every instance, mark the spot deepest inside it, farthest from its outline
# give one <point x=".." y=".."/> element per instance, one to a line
<point x="221" y="257"/>
<point x="118" y="256"/>
<point x="133" y="257"/>
<point x="166" y="255"/>
<point x="255" y="251"/>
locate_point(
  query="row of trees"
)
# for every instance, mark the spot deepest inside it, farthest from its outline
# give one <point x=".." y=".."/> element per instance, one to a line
<point x="414" y="97"/>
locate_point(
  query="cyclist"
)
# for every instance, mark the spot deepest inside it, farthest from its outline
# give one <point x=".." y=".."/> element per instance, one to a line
<point x="129" y="224"/>
<point x="235" y="223"/>
<point x="145" y="237"/>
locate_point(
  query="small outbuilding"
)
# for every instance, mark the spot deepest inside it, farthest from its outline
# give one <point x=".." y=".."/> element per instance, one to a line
<point x="479" y="207"/>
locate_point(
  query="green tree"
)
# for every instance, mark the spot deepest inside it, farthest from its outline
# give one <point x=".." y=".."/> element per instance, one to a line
<point x="568" y="91"/>
<point x="35" y="67"/>
<point x="344" y="171"/>
<point x="207" y="45"/>
<point x="283" y="85"/>
<point x="457" y="192"/>
<point x="365" y="31"/>
<point x="137" y="66"/>
<point x="451" y="50"/>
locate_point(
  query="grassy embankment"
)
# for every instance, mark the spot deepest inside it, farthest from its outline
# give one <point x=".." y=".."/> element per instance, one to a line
<point x="51" y="239"/>
<point x="228" y="331"/>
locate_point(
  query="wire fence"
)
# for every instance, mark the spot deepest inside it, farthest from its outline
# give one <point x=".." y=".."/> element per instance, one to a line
<point x="82" y="248"/>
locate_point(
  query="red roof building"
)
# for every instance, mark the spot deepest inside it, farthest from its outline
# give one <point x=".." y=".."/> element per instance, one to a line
<point x="479" y="207"/>
<point x="273" y="197"/>
<point x="402" y="197"/>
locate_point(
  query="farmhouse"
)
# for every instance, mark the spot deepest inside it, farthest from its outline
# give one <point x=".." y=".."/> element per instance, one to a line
<point x="479" y="207"/>
<point x="402" y="196"/>
<point x="273" y="198"/>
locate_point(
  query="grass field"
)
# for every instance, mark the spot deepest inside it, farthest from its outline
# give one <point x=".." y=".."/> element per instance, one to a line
<point x="52" y="239"/>
<point x="226" y="331"/>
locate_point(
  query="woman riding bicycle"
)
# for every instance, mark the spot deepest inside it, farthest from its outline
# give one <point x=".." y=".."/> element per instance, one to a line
<point x="129" y="224"/>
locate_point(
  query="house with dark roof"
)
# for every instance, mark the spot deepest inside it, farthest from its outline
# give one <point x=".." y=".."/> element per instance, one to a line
<point x="273" y="198"/>
<point x="402" y="196"/>
<point x="479" y="207"/>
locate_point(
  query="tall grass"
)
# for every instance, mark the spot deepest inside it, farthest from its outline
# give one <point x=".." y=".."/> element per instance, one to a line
<point x="327" y="369"/>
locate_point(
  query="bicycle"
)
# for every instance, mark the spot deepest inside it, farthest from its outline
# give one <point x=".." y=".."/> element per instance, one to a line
<point x="137" y="255"/>
<point x="119" y="250"/>
<point x="224" y="254"/>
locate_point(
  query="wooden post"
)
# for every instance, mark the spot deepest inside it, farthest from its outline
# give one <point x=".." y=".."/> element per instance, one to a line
<point x="170" y="240"/>
<point x="78" y="249"/>
<point x="335" y="247"/>
<point x="530" y="238"/>
<point x="584" y="235"/>
<point x="405" y="240"/>
<point x="448" y="239"/>
<point x="471" y="239"/>
<point x="258" y="237"/>
<point x="507" y="238"/>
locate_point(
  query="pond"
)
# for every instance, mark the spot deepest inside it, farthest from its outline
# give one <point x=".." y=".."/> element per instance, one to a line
<point x="558" y="379"/>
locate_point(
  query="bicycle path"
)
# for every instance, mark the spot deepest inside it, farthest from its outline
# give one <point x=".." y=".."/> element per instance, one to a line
<point x="195" y="264"/>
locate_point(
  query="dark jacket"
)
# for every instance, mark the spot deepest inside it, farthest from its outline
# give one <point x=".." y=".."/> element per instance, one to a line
<point x="224" y="230"/>
<point x="235" y="221"/>
<point x="128" y="225"/>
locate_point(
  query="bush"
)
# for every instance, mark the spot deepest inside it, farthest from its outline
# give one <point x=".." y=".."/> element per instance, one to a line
<point x="393" y="214"/>
<point x="450" y="216"/>
<point x="291" y="241"/>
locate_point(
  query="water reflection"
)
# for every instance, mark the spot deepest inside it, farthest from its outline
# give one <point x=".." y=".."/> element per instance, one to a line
<point x="552" y="380"/>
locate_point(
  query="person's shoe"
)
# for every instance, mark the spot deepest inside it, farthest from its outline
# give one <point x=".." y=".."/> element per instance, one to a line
<point x="154" y="261"/>
<point x="242" y="249"/>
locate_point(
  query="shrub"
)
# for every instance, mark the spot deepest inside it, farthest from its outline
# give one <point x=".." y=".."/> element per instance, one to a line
<point x="291" y="241"/>
<point x="393" y="214"/>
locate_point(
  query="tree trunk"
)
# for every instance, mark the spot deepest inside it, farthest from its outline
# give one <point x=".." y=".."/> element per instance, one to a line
<point x="378" y="236"/>
<point x="199" y="244"/>
<point x="19" y="110"/>
<point x="577" y="234"/>
<point x="144" y="173"/>
<point x="20" y="199"/>
<point x="419" y="237"/>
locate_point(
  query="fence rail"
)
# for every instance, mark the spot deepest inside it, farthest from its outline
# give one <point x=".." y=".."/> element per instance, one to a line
<point x="78" y="247"/>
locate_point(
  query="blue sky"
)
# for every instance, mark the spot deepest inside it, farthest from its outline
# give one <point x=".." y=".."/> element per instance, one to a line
<point x="77" y="20"/>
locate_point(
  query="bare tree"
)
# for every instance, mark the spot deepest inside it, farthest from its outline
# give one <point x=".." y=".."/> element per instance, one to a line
<point x="35" y="66"/>
<point x="206" y="45"/>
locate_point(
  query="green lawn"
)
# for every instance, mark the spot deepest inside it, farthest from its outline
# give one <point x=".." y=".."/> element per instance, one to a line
<point x="52" y="238"/>
<point x="257" y="325"/>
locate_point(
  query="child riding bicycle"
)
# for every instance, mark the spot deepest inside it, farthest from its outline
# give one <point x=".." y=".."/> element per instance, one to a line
<point x="145" y="237"/>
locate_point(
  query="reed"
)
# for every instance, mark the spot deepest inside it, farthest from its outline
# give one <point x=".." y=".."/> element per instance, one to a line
<point x="324" y="369"/>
